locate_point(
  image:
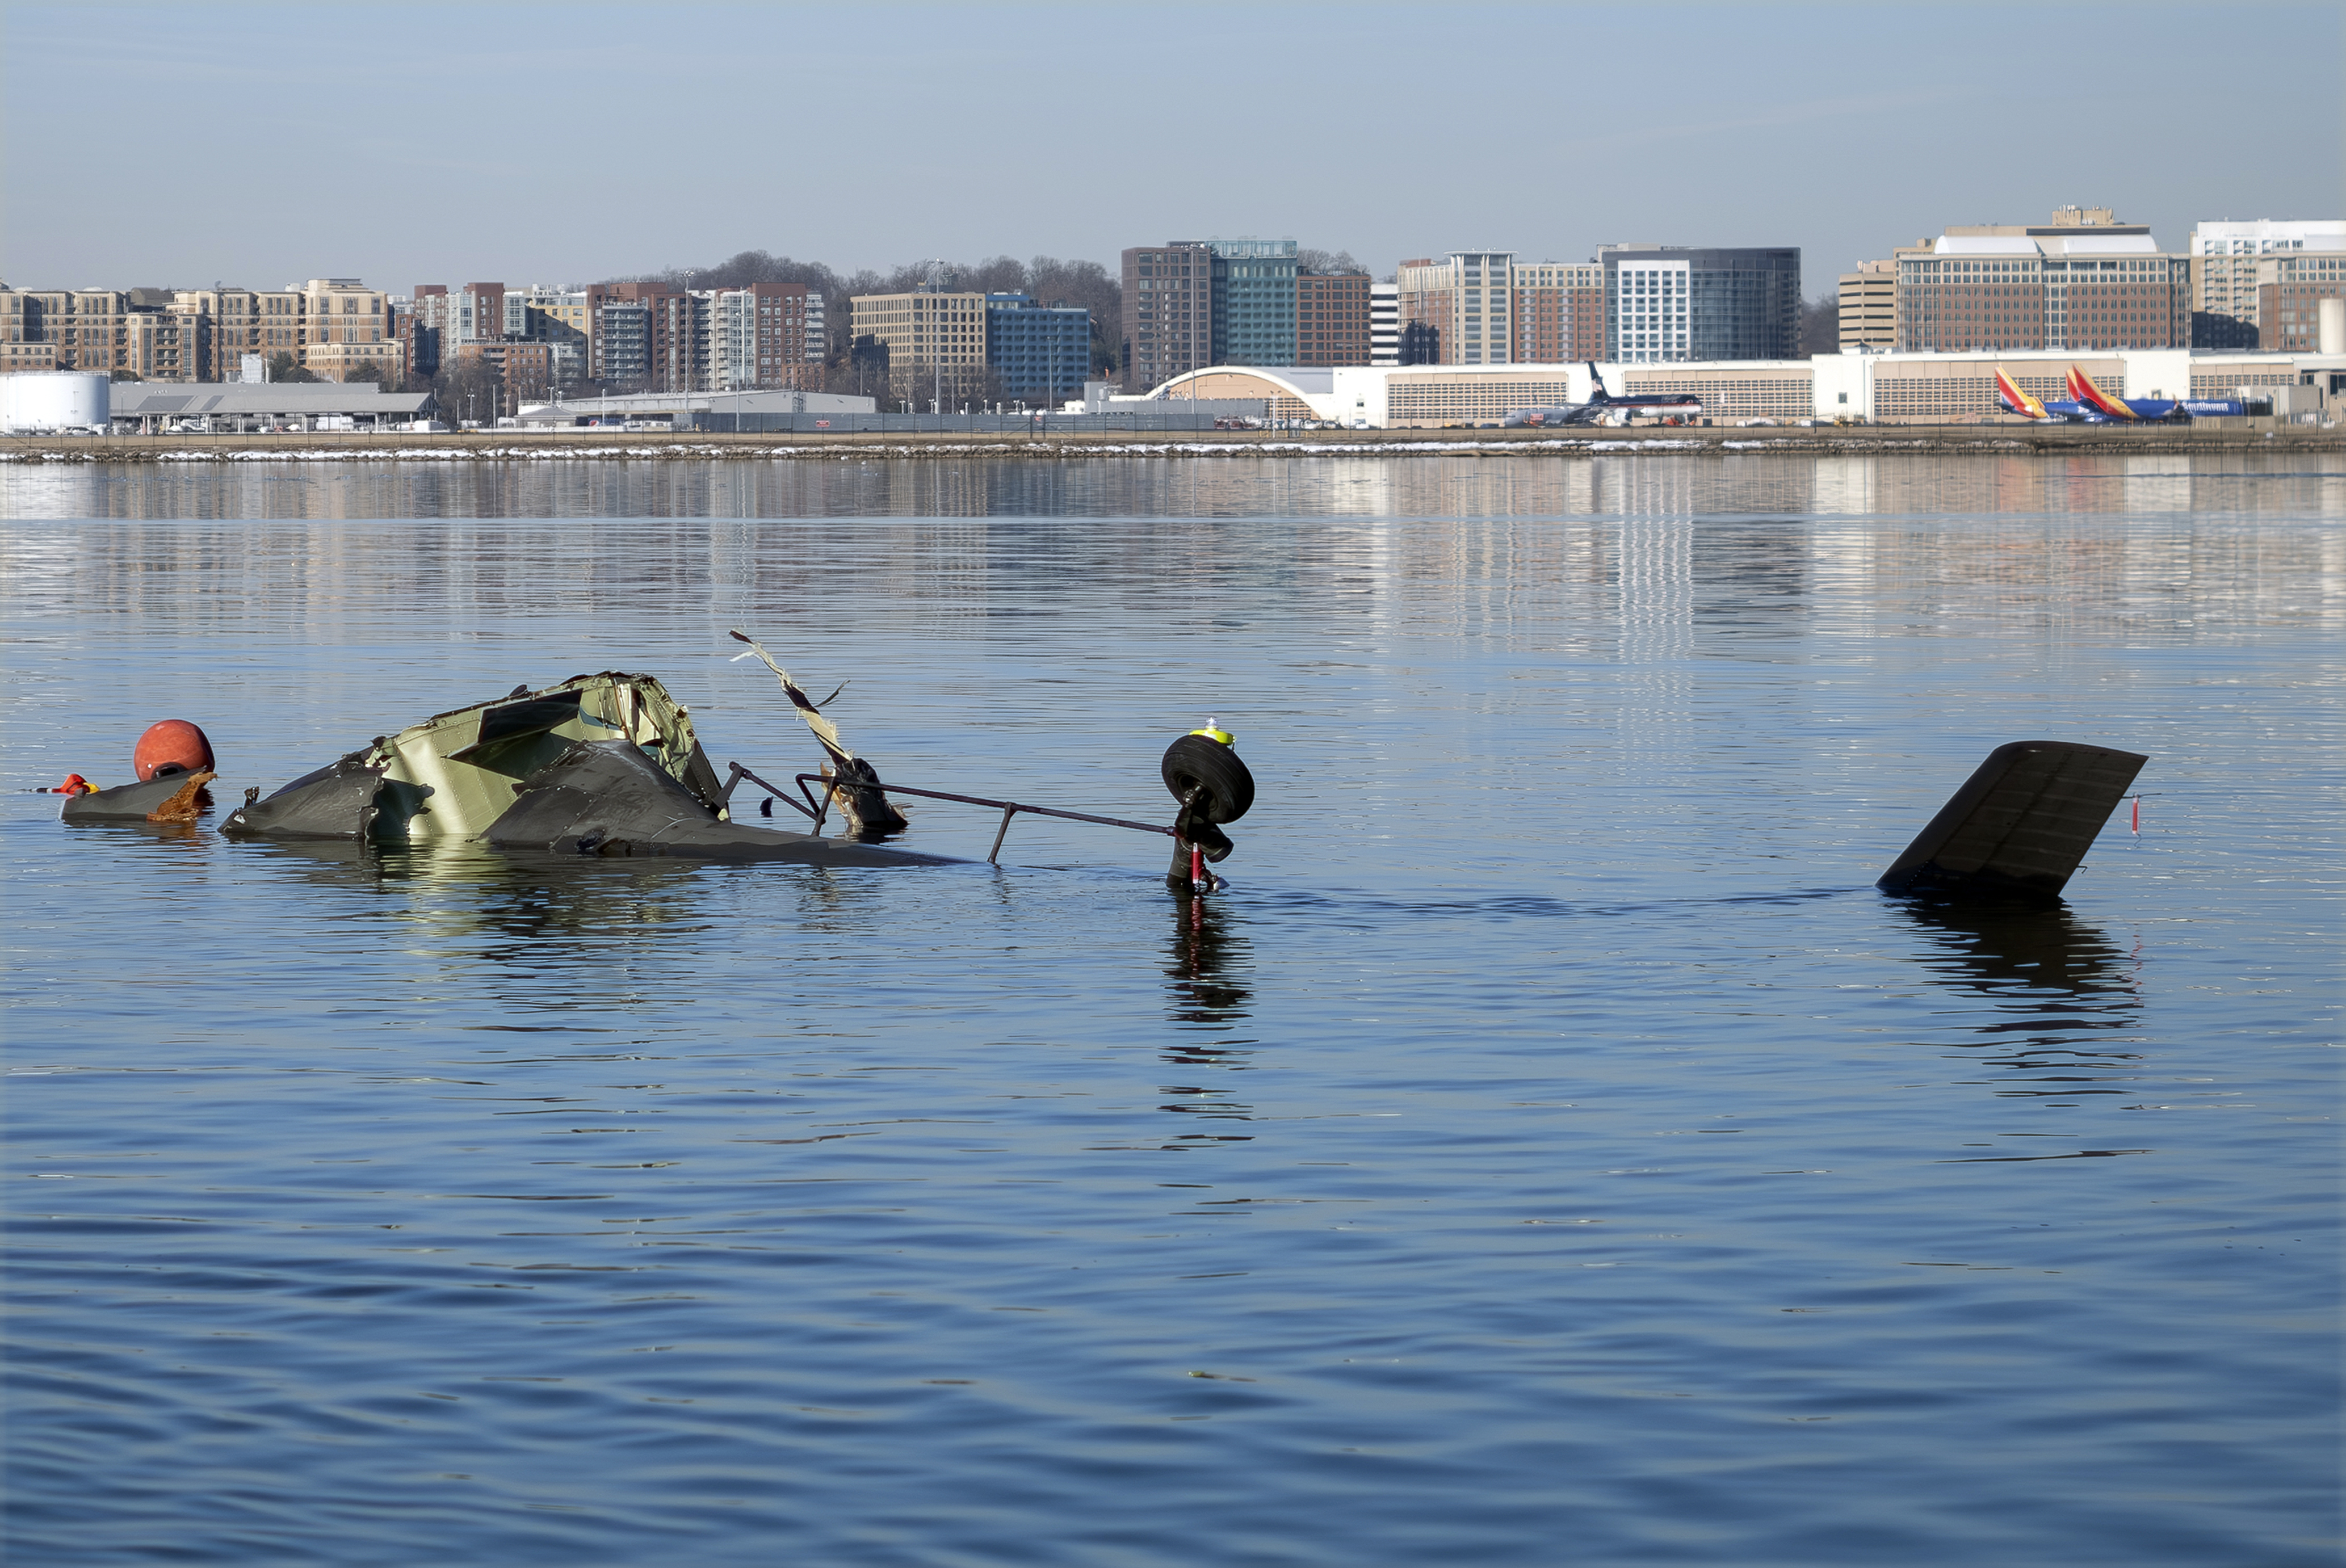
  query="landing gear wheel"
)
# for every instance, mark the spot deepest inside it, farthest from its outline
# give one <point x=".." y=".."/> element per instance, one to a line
<point x="1207" y="776"/>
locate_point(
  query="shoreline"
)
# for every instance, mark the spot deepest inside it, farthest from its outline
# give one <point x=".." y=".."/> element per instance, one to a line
<point x="505" y="446"/>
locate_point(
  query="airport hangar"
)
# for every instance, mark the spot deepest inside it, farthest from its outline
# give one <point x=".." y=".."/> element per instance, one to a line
<point x="1875" y="388"/>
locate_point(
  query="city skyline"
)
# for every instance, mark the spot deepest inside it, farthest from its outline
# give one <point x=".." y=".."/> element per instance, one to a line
<point x="371" y="147"/>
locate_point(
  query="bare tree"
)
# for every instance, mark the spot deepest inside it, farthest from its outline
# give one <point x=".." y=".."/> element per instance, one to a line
<point x="1818" y="331"/>
<point x="467" y="387"/>
<point x="1046" y="278"/>
<point x="1325" y="263"/>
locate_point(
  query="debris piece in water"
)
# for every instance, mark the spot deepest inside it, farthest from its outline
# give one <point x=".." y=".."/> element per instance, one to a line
<point x="599" y="764"/>
<point x="2020" y="825"/>
<point x="173" y="746"/>
<point x="1203" y="772"/>
<point x="190" y="802"/>
<point x="451" y="776"/>
<point x="858" y="794"/>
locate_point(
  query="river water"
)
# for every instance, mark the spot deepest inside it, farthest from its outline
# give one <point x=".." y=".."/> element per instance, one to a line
<point x="1549" y="1149"/>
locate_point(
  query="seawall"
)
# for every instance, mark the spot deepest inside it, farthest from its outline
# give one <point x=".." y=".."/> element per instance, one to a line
<point x="2239" y="436"/>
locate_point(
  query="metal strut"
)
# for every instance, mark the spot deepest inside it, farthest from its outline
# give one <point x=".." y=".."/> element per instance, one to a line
<point x="816" y="806"/>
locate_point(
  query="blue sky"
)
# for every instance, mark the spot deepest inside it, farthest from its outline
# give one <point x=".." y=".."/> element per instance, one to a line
<point x="260" y="144"/>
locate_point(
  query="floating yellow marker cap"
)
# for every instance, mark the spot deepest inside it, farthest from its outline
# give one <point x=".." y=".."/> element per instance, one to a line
<point x="1213" y="733"/>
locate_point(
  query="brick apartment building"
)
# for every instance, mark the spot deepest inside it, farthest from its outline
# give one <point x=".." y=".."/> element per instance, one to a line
<point x="1332" y="318"/>
<point x="2290" y="288"/>
<point x="1168" y="312"/>
<point x="1559" y="312"/>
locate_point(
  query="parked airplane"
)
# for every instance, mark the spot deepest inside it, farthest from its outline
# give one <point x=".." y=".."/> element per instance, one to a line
<point x="1602" y="404"/>
<point x="2087" y="404"/>
<point x="2115" y="409"/>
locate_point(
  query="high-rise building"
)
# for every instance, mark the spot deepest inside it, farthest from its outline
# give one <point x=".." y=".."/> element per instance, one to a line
<point x="1384" y="323"/>
<point x="346" y="326"/>
<point x="2290" y="286"/>
<point x="436" y="323"/>
<point x="2069" y="284"/>
<point x="1191" y="303"/>
<point x="655" y="341"/>
<point x="563" y="319"/>
<point x="1868" y="303"/>
<point x="1456" y="311"/>
<point x="1037" y="353"/>
<point x="621" y="346"/>
<point x="1168" y="312"/>
<point x="1558" y="311"/>
<point x="233" y="322"/>
<point x="934" y="340"/>
<point x="1331" y="319"/>
<point x="1673" y="302"/>
<point x="2225" y="257"/>
<point x="1253" y="301"/>
<point x="753" y="336"/>
<point x="2083" y="280"/>
<point x="158" y="343"/>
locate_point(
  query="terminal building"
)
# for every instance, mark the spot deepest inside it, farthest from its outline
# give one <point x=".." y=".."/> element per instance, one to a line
<point x="1932" y="387"/>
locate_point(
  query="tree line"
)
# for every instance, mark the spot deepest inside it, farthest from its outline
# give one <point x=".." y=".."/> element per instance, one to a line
<point x="1048" y="280"/>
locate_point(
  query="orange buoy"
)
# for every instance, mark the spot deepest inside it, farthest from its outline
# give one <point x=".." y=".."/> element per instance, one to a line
<point x="174" y="746"/>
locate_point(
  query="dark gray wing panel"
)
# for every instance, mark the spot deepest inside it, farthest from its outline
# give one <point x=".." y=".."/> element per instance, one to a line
<point x="124" y="802"/>
<point x="334" y="802"/>
<point x="2020" y="824"/>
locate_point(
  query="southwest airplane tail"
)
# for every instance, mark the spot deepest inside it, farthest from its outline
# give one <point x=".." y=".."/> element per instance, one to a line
<point x="2099" y="403"/>
<point x="2082" y="388"/>
<point x="2008" y="393"/>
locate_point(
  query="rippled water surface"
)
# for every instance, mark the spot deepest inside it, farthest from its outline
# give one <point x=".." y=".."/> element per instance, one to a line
<point x="1550" y="1149"/>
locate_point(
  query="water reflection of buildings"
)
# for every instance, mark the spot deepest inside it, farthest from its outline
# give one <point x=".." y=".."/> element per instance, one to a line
<point x="855" y="484"/>
<point x="1635" y="559"/>
<point x="2065" y="1005"/>
<point x="1208" y="1002"/>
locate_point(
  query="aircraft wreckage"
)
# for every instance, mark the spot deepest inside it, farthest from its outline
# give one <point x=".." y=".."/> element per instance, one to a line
<point x="609" y="765"/>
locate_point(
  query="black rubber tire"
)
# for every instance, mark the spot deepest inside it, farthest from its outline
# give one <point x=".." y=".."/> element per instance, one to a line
<point x="1194" y="761"/>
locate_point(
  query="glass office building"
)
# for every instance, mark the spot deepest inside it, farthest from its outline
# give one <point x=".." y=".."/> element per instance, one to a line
<point x="1672" y="302"/>
<point x="1038" y="353"/>
<point x="1253" y="301"/>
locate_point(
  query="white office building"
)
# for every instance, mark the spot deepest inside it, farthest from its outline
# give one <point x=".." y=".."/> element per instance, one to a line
<point x="2224" y="257"/>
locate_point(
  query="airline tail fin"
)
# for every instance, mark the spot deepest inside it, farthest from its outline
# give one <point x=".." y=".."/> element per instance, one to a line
<point x="2008" y="393"/>
<point x="1597" y="393"/>
<point x="2095" y="397"/>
